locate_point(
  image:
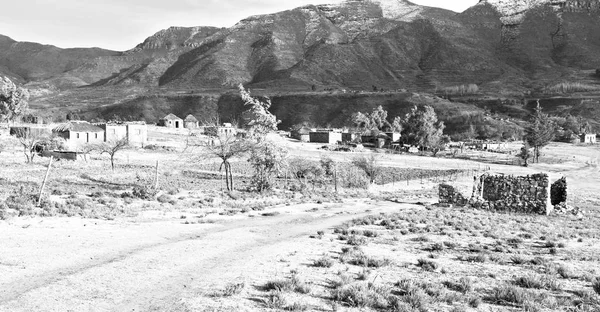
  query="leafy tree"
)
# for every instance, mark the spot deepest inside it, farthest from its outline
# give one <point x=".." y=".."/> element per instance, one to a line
<point x="112" y="148"/>
<point x="369" y="165"/>
<point x="267" y="158"/>
<point x="376" y="120"/>
<point x="13" y="100"/>
<point x="260" y="120"/>
<point x="396" y="125"/>
<point x="422" y="128"/>
<point x="525" y="153"/>
<point x="539" y="132"/>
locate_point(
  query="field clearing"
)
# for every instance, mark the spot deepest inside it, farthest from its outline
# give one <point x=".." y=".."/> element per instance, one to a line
<point x="199" y="248"/>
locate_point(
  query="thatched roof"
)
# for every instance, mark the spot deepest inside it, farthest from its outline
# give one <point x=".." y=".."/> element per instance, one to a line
<point x="171" y="117"/>
<point x="77" y="126"/>
<point x="190" y="118"/>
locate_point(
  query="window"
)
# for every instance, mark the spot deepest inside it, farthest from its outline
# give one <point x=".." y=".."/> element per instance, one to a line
<point x="139" y="131"/>
<point x="114" y="131"/>
<point x="96" y="135"/>
<point x="78" y="135"/>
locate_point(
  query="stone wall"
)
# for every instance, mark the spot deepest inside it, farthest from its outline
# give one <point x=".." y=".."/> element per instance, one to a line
<point x="524" y="194"/>
<point x="449" y="195"/>
<point x="520" y="194"/>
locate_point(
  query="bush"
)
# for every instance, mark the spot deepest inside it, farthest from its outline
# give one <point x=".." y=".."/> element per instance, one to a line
<point x="596" y="285"/>
<point x="294" y="283"/>
<point x="323" y="262"/>
<point x="427" y="265"/>
<point x="352" y="177"/>
<point x="509" y="294"/>
<point x="363" y="295"/>
<point x="368" y="165"/>
<point x="144" y="192"/>
<point x="538" y="282"/>
<point x="464" y="285"/>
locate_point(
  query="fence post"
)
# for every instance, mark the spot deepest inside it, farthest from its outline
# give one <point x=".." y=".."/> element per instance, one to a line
<point x="156" y="176"/>
<point x="44" y="182"/>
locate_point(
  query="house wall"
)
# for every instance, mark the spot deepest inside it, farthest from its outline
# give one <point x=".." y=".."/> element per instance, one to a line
<point x="113" y="132"/>
<point x="588" y="138"/>
<point x="191" y="124"/>
<point x="325" y="137"/>
<point x="77" y="139"/>
<point x="137" y="134"/>
<point x="175" y="123"/>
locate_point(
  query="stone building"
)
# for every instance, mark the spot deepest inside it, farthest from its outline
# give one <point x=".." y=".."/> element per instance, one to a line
<point x="171" y="121"/>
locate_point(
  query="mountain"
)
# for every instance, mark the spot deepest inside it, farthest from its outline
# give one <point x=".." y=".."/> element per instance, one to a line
<point x="509" y="48"/>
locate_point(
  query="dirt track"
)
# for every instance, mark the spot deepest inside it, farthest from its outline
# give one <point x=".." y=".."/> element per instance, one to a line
<point x="158" y="264"/>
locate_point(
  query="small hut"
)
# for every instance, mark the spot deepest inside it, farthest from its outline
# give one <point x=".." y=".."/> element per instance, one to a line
<point x="171" y="121"/>
<point x="190" y="122"/>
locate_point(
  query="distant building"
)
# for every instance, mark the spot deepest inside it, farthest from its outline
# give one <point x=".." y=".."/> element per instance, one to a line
<point x="327" y="137"/>
<point x="226" y="129"/>
<point x="301" y="134"/>
<point x="136" y="132"/>
<point x="77" y="133"/>
<point x="171" y="121"/>
<point x="190" y="122"/>
<point x="588" y="138"/>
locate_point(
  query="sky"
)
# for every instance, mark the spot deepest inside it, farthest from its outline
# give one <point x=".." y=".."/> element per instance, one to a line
<point x="122" y="24"/>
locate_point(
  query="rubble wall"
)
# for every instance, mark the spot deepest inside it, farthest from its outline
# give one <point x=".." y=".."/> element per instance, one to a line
<point x="522" y="194"/>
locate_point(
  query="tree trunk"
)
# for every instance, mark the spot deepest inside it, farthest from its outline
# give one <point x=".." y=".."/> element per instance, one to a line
<point x="112" y="161"/>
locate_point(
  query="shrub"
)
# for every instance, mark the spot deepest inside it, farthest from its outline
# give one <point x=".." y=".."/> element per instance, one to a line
<point x="538" y="282"/>
<point x="144" y="192"/>
<point x="233" y="289"/>
<point x="323" y="262"/>
<point x="275" y="300"/>
<point x="352" y="177"/>
<point x="464" y="285"/>
<point x="427" y="265"/>
<point x="357" y="240"/>
<point x="164" y="198"/>
<point x="368" y="165"/>
<point x="596" y="285"/>
<point x="363" y="294"/>
<point x="565" y="272"/>
<point x="293" y="283"/>
<point x="509" y="294"/>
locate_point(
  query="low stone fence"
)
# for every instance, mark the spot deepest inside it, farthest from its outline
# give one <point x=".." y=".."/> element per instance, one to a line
<point x="522" y="194"/>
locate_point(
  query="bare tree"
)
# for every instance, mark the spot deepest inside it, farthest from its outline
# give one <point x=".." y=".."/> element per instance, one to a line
<point x="226" y="147"/>
<point x="30" y="140"/>
<point x="113" y="147"/>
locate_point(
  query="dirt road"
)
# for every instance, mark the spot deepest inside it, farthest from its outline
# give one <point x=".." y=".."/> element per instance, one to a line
<point x="87" y="265"/>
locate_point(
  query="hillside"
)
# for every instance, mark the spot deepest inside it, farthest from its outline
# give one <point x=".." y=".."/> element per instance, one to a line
<point x="510" y="49"/>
